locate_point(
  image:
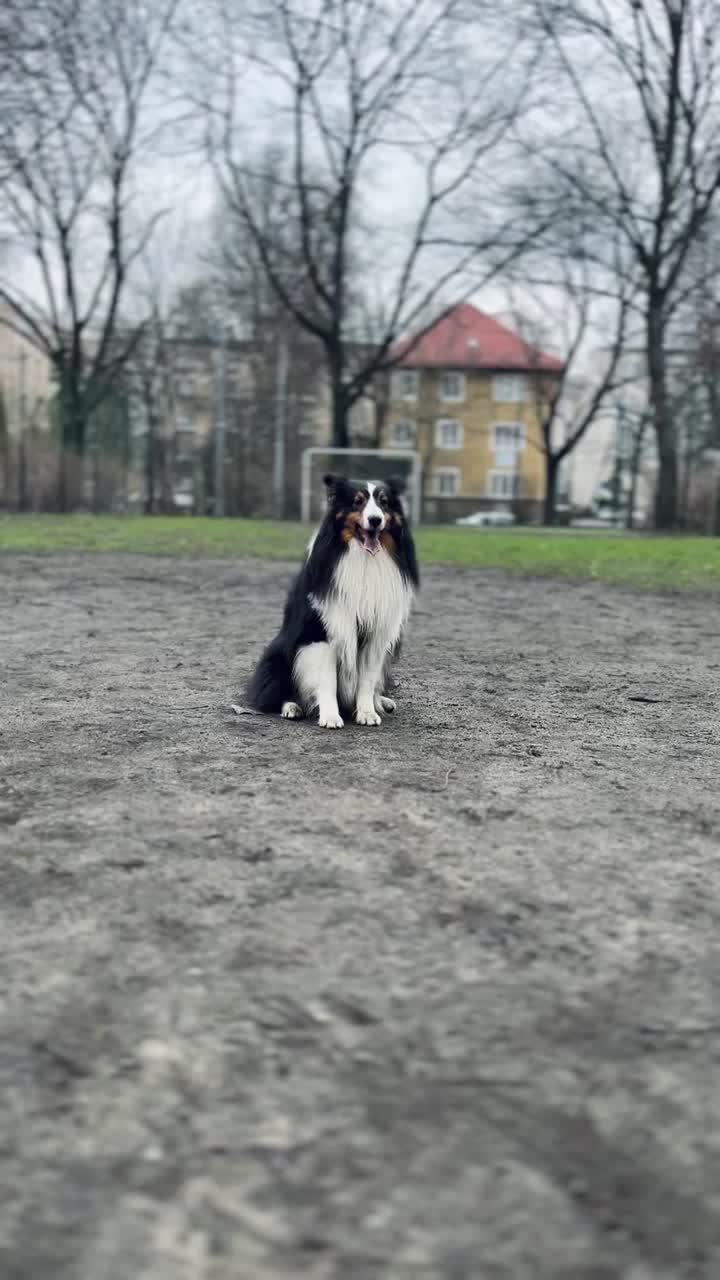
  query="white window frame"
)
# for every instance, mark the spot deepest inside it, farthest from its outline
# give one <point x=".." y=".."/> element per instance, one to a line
<point x="506" y="455"/>
<point x="440" y="473"/>
<point x="444" y="422"/>
<point x="406" y="441"/>
<point x="510" y="388"/>
<point x="508" y="484"/>
<point x="450" y="397"/>
<point x="405" y="385"/>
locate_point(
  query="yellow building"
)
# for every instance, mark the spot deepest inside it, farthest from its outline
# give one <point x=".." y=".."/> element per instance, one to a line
<point x="28" y="469"/>
<point x="468" y="396"/>
<point x="25" y="378"/>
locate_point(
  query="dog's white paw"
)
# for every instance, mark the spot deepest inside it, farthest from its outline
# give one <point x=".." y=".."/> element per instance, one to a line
<point x="382" y="703"/>
<point x="291" y="711"/>
<point x="367" y="715"/>
<point x="330" y="720"/>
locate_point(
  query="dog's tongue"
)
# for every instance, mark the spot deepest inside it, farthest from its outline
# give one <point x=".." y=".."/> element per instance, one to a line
<point x="372" y="544"/>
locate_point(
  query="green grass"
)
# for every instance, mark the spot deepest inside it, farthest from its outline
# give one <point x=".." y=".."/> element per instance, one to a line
<point x="642" y="561"/>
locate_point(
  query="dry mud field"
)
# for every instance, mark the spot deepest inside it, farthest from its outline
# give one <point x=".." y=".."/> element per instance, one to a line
<point x="439" y="999"/>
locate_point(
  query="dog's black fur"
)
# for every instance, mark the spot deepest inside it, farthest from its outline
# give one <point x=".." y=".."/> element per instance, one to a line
<point x="271" y="684"/>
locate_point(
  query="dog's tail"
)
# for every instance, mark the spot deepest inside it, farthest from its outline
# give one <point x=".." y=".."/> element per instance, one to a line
<point x="271" y="683"/>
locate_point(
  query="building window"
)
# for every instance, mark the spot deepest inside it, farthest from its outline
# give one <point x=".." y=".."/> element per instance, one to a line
<point x="503" y="484"/>
<point x="508" y="439"/>
<point x="509" y="388"/>
<point x="452" y="387"/>
<point x="446" y="482"/>
<point x="448" y="434"/>
<point x="405" y="384"/>
<point x="183" y="423"/>
<point x="402" y="435"/>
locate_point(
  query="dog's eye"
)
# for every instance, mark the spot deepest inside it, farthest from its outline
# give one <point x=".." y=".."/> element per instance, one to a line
<point x="359" y="499"/>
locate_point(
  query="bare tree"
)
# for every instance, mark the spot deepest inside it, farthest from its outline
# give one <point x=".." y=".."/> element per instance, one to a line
<point x="694" y="391"/>
<point x="26" y="35"/>
<point x="636" y="144"/>
<point x="361" y="90"/>
<point x="589" y="332"/>
<point x="149" y="373"/>
<point x="167" y="309"/>
<point x="285" y="382"/>
<point x="637" y="422"/>
<point x="70" y="161"/>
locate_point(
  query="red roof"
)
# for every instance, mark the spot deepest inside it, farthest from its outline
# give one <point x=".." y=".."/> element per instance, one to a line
<point x="465" y="338"/>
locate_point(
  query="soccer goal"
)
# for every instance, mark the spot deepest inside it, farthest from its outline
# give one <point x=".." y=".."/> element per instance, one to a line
<point x="358" y="464"/>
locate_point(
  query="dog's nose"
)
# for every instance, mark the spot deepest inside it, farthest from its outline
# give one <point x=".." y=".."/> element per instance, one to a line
<point x="374" y="522"/>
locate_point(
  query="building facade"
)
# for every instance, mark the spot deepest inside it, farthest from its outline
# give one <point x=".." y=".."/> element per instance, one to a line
<point x="27" y="471"/>
<point x="468" y="397"/>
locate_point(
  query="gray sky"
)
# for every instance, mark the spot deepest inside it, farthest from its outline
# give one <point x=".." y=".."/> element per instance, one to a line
<point x="180" y="181"/>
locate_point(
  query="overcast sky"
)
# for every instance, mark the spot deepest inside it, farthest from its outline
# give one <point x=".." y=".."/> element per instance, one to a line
<point x="178" y="179"/>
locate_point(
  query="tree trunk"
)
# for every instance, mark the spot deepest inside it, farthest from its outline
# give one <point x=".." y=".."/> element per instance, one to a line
<point x="70" y="479"/>
<point x="22" y="476"/>
<point x="634" y="471"/>
<point x="684" y="494"/>
<point x="666" y="496"/>
<point x="617" y="491"/>
<point x="551" y="476"/>
<point x="340" y="414"/>
<point x="62" y="486"/>
<point x="166" y="455"/>
<point x="72" y="442"/>
<point x="339" y="398"/>
<point x="150" y="460"/>
<point x="97" y="479"/>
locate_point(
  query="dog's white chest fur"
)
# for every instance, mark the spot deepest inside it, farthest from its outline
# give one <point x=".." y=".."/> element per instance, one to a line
<point x="368" y="593"/>
<point x="372" y="589"/>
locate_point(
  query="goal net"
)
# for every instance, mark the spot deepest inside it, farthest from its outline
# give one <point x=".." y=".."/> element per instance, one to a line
<point x="361" y="465"/>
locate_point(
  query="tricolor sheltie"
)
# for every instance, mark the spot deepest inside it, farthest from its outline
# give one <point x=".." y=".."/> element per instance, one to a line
<point x="345" y="612"/>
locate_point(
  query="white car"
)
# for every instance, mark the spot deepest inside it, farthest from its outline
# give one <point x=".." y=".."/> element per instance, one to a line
<point x="480" y="518"/>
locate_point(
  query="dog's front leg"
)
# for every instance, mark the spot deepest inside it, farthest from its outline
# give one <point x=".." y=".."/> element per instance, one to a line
<point x="316" y="677"/>
<point x="371" y="666"/>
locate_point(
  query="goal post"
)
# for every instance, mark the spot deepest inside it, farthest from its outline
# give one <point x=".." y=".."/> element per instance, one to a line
<point x="358" y="464"/>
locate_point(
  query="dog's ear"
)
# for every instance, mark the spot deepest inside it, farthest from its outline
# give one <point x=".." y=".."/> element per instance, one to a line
<point x="337" y="487"/>
<point x="396" y="485"/>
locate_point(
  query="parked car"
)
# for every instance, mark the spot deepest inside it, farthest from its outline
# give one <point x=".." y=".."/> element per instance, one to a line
<point x="478" y="519"/>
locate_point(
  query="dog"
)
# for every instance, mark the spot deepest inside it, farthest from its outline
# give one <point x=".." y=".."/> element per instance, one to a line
<point x="345" y="611"/>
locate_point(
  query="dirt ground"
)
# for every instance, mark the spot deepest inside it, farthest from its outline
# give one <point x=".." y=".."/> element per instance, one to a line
<point x="439" y="999"/>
